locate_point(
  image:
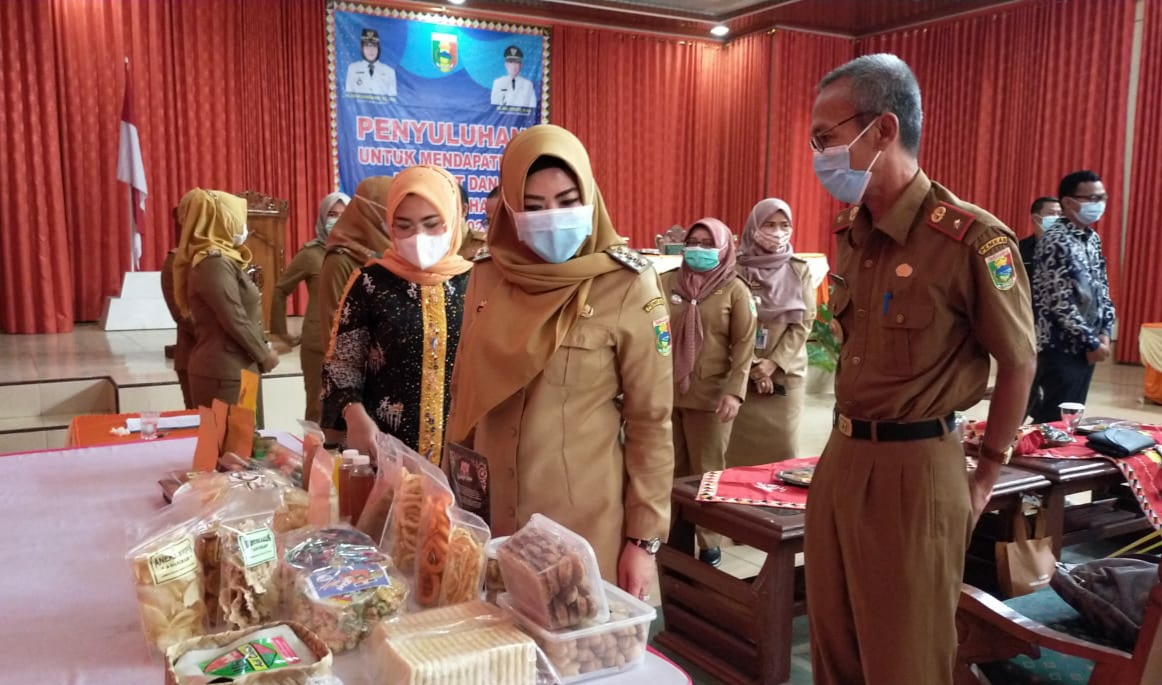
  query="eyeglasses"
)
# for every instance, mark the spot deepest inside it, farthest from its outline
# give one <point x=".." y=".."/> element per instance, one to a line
<point x="818" y="142"/>
<point x="1091" y="198"/>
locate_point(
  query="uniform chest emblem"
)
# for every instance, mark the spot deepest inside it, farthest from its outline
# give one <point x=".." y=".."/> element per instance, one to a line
<point x="1000" y="266"/>
<point x="662" y="336"/>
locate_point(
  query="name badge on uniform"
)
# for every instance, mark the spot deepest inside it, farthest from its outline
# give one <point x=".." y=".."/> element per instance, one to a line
<point x="760" y="338"/>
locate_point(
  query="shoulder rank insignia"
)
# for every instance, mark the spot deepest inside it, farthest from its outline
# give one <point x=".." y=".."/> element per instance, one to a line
<point x="482" y="255"/>
<point x="950" y="220"/>
<point x="630" y="259"/>
<point x="846" y="218"/>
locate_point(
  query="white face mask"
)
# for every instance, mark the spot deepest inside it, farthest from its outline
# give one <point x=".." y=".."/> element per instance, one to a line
<point x="555" y="234"/>
<point x="424" y="250"/>
<point x="241" y="237"/>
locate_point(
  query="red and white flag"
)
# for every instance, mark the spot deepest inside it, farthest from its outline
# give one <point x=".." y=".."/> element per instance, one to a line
<point x="131" y="168"/>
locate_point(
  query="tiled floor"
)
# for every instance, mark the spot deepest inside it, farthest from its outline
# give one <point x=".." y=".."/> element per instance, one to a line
<point x="135" y="362"/>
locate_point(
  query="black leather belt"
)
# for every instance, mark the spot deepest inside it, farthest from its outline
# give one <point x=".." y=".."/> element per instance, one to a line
<point x="883" y="431"/>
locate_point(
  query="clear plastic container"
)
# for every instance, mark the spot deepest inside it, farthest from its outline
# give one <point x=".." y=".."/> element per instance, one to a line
<point x="493" y="580"/>
<point x="552" y="574"/>
<point x="598" y="650"/>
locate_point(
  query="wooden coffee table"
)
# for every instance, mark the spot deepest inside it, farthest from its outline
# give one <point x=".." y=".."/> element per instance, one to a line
<point x="739" y="630"/>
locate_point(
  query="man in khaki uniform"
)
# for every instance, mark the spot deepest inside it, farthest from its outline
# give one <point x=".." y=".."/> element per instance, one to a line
<point x="927" y="287"/>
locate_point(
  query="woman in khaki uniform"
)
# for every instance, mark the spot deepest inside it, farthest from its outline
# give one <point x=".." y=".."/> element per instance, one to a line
<point x="559" y="320"/>
<point x="211" y="285"/>
<point x="359" y="236"/>
<point x="767" y="427"/>
<point x="306" y="267"/>
<point x="186" y="337"/>
<point x="714" y="329"/>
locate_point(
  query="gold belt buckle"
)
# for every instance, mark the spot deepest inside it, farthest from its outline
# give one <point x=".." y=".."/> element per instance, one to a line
<point x="844" y="425"/>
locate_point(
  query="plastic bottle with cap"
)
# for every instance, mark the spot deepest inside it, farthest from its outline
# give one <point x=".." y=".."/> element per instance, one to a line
<point x="359" y="484"/>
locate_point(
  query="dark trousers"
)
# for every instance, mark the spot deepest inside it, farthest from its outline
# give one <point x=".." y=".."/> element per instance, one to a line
<point x="1060" y="378"/>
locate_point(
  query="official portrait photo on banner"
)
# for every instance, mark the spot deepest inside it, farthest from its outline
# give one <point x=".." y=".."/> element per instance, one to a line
<point x="413" y="89"/>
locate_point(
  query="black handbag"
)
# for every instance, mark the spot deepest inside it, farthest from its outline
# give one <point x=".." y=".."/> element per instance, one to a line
<point x="1119" y="442"/>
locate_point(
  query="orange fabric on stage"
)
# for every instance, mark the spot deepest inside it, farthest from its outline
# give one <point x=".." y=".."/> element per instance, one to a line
<point x="93" y="429"/>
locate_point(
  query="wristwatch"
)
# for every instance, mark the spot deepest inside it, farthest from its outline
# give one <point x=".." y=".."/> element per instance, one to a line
<point x="651" y="546"/>
<point x="997" y="456"/>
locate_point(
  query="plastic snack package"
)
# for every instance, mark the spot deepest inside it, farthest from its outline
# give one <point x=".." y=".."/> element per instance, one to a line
<point x="272" y="654"/>
<point x="167" y="575"/>
<point x="493" y="579"/>
<point x="552" y="575"/>
<point x="595" y="650"/>
<point x="389" y="454"/>
<point x="313" y="439"/>
<point x="249" y="559"/>
<point x="323" y="509"/>
<point x="464" y="567"/>
<point x="340" y="583"/>
<point x="466" y="644"/>
<point x="401" y="539"/>
<point x="432" y="541"/>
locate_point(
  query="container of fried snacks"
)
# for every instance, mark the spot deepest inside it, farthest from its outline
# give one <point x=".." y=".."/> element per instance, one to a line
<point x="248" y="550"/>
<point x="552" y="575"/>
<point x="401" y="538"/>
<point x="464" y="566"/>
<point x="167" y="575"/>
<point x="595" y="650"/>
<point x="272" y="654"/>
<point x="432" y="542"/>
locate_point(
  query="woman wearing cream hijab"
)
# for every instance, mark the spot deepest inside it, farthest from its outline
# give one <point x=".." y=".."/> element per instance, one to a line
<point x="767" y="426"/>
<point x="211" y="285"/>
<point x="714" y="328"/>
<point x="306" y="267"/>
<point x="560" y="320"/>
<point x="398" y="325"/>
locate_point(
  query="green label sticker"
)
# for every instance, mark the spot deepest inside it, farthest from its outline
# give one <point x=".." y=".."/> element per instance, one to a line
<point x="662" y="336"/>
<point x="1000" y="265"/>
<point x="257" y="547"/>
<point x="173" y="561"/>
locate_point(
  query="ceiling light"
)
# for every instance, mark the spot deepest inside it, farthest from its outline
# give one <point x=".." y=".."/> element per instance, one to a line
<point x="720" y="30"/>
<point x="456" y="2"/>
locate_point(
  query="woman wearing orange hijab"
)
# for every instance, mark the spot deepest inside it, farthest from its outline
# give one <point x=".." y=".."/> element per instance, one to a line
<point x="561" y="318"/>
<point x="398" y="323"/>
<point x="714" y="332"/>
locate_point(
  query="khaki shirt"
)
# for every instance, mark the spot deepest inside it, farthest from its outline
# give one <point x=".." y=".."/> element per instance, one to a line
<point x="728" y="334"/>
<point x="923" y="298"/>
<point x="785" y="344"/>
<point x="227" y="311"/>
<point x="555" y="446"/>
<point x="338" y="265"/>
<point x="472" y="245"/>
<point x="304" y="267"/>
<point x="186" y="337"/>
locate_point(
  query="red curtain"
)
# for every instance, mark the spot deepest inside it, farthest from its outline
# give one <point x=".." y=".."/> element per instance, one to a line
<point x="229" y="94"/>
<point x="800" y="60"/>
<point x="1016" y="98"/>
<point x="675" y="129"/>
<point x="1141" y="300"/>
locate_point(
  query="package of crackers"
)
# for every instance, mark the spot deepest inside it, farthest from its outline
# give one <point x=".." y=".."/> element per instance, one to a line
<point x="450" y="563"/>
<point x="422" y="487"/>
<point x="552" y="575"/>
<point x="248" y="556"/>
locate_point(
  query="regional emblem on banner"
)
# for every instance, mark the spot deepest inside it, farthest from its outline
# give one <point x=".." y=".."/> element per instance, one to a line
<point x="445" y="52"/>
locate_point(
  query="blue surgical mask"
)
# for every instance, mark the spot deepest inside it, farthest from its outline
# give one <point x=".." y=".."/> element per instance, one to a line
<point x="833" y="169"/>
<point x="1047" y="221"/>
<point x="555" y="235"/>
<point x="1089" y="213"/>
<point x="700" y="258"/>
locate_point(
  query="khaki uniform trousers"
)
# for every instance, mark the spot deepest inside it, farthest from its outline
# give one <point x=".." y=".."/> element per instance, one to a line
<point x="887" y="528"/>
<point x="700" y="440"/>
<point x="312" y="363"/>
<point x="204" y="390"/>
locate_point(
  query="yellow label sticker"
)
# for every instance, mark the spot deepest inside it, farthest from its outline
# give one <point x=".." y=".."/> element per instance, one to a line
<point x="173" y="561"/>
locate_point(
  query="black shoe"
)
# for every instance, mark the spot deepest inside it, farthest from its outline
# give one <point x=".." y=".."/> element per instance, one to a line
<point x="711" y="555"/>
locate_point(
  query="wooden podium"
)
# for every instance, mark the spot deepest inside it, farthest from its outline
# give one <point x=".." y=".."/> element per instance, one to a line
<point x="266" y="220"/>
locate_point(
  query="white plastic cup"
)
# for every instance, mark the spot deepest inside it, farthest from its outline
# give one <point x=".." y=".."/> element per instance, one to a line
<point x="149" y="420"/>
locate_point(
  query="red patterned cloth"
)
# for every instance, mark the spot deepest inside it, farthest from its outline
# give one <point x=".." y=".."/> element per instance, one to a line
<point x="759" y="486"/>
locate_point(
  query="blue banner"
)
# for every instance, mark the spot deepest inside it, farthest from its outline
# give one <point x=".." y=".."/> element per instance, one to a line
<point x="420" y="89"/>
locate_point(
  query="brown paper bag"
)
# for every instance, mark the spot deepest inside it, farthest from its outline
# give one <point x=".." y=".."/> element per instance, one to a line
<point x="1025" y="565"/>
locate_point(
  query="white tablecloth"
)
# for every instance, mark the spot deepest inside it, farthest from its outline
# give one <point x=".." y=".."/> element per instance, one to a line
<point x="67" y="610"/>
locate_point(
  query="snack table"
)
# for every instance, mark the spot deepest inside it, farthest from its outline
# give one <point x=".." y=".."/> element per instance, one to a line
<point x="92" y="430"/>
<point x="66" y="594"/>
